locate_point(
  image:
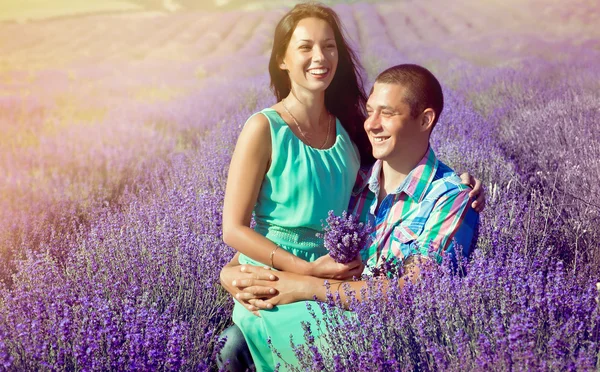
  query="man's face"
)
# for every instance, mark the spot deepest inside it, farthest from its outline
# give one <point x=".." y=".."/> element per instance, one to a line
<point x="389" y="125"/>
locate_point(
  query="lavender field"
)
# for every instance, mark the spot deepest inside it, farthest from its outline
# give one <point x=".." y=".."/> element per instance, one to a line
<point x="116" y="134"/>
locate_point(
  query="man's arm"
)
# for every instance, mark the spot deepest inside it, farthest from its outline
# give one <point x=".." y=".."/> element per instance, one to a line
<point x="292" y="287"/>
<point x="451" y="218"/>
<point x="451" y="221"/>
<point x="233" y="272"/>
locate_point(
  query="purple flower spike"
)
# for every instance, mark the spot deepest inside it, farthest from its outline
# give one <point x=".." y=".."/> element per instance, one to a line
<point x="344" y="236"/>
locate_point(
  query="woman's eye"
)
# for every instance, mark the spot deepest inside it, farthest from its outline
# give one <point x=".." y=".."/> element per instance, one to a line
<point x="387" y="113"/>
<point x="304" y="47"/>
<point x="331" y="46"/>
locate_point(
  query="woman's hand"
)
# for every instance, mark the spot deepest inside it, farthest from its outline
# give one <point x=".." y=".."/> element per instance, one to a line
<point x="247" y="282"/>
<point x="325" y="267"/>
<point x="478" y="192"/>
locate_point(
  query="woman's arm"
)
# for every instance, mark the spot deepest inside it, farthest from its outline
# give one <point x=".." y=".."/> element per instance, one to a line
<point x="249" y="164"/>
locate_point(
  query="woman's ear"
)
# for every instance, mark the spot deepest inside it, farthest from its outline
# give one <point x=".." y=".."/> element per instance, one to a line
<point x="428" y="119"/>
<point x="282" y="64"/>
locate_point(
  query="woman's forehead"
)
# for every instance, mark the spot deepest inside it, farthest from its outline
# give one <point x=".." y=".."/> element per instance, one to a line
<point x="312" y="29"/>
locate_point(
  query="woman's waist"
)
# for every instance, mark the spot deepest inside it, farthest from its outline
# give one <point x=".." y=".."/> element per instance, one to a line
<point x="293" y="237"/>
<point x="300" y="241"/>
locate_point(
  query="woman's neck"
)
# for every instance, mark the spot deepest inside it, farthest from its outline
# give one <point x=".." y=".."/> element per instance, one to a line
<point x="307" y="107"/>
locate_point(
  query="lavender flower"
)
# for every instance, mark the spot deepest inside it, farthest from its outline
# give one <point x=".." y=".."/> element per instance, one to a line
<point x="113" y="172"/>
<point x="344" y="236"/>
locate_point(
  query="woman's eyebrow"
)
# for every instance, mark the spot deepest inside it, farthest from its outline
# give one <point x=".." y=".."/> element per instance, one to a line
<point x="310" y="40"/>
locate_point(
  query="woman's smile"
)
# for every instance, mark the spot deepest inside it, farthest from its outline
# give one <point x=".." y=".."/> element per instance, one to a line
<point x="311" y="58"/>
<point x="319" y="73"/>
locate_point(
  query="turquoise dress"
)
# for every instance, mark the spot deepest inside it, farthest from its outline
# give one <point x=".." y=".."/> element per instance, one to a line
<point x="301" y="186"/>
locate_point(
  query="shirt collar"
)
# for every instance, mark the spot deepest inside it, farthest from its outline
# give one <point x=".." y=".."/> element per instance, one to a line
<point x="416" y="182"/>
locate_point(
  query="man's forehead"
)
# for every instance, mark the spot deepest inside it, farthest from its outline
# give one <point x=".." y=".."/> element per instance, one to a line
<point x="386" y="94"/>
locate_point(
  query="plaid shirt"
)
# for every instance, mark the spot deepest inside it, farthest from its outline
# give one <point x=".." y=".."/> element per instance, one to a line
<point x="429" y="212"/>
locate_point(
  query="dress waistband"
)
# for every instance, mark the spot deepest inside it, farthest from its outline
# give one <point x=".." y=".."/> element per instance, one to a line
<point x="297" y="237"/>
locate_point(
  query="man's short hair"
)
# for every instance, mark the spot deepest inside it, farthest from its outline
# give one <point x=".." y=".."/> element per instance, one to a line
<point x="423" y="90"/>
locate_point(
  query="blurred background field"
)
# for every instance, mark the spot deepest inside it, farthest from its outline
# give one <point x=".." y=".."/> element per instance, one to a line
<point x="117" y="119"/>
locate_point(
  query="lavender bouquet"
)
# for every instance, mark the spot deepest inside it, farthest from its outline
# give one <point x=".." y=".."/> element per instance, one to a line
<point x="344" y="236"/>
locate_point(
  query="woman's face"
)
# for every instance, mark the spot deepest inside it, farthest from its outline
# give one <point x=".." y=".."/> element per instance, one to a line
<point x="311" y="57"/>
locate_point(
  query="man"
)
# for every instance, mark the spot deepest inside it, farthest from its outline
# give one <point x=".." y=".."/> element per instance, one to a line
<point x="418" y="205"/>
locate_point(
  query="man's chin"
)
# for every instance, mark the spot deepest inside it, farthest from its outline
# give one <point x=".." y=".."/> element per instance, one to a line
<point x="380" y="156"/>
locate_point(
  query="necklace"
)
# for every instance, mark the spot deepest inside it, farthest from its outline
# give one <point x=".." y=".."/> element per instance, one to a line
<point x="302" y="132"/>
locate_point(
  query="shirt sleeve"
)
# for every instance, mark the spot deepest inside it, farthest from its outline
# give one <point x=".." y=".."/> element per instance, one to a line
<point x="452" y="223"/>
<point x="361" y="197"/>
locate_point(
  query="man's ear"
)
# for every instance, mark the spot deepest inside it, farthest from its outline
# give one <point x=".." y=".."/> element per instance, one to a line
<point x="428" y="119"/>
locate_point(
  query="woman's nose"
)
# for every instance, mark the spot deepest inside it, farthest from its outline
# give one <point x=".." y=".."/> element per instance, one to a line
<point x="318" y="54"/>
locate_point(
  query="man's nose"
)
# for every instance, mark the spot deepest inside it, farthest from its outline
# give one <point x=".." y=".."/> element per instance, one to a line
<point x="372" y="122"/>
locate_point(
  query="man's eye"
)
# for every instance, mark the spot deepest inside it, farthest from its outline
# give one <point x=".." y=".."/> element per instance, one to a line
<point x="304" y="47"/>
<point x="387" y="113"/>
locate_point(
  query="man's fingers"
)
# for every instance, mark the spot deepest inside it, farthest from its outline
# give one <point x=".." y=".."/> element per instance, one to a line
<point x="243" y="283"/>
<point x="261" y="273"/>
<point x="260" y="290"/>
<point x="245" y="296"/>
<point x="251" y="308"/>
<point x="262" y="305"/>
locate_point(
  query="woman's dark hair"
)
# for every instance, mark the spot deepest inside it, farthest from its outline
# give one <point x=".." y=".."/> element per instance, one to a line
<point x="345" y="97"/>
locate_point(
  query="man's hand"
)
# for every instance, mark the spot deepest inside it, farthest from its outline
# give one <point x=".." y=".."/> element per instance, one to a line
<point x="289" y="288"/>
<point x="478" y="192"/>
<point x="325" y="267"/>
<point x="247" y="282"/>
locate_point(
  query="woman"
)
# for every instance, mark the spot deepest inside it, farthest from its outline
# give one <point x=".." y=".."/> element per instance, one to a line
<point x="296" y="161"/>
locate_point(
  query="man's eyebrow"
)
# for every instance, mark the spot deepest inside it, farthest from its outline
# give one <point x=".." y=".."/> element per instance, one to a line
<point x="382" y="107"/>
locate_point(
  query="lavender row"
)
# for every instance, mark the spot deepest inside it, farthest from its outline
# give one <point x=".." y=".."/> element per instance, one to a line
<point x="138" y="287"/>
<point x="519" y="306"/>
<point x="135" y="286"/>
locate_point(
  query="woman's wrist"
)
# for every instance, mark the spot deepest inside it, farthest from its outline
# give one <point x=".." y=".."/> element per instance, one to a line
<point x="308" y="268"/>
<point x="300" y="266"/>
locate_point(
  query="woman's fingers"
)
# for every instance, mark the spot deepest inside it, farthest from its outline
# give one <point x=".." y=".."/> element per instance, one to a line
<point x="479" y="204"/>
<point x="357" y="271"/>
<point x="478" y="192"/>
<point x="352" y="269"/>
<point x="466" y="179"/>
